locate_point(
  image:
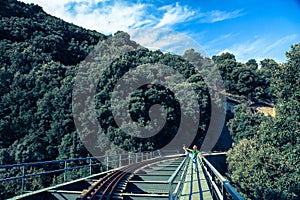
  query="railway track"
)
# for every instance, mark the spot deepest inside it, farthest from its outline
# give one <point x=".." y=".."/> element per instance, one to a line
<point x="158" y="178"/>
<point x="147" y="179"/>
<point x="113" y="184"/>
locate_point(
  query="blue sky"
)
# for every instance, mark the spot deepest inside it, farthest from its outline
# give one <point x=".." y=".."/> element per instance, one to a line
<point x="246" y="28"/>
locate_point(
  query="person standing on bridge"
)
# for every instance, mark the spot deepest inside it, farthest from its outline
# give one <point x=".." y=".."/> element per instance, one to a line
<point x="192" y="153"/>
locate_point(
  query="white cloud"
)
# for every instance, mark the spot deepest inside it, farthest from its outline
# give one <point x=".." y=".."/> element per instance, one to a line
<point x="175" y="14"/>
<point x="110" y="19"/>
<point x="249" y="49"/>
<point x="218" y="15"/>
<point x="218" y="40"/>
<point x="261" y="48"/>
<point x="115" y="15"/>
<point x="166" y="40"/>
<point x="282" y="41"/>
<point x="110" y="16"/>
<point x="107" y="19"/>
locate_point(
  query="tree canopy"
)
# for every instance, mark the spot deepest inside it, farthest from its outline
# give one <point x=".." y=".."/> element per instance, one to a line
<point x="265" y="162"/>
<point x="42" y="57"/>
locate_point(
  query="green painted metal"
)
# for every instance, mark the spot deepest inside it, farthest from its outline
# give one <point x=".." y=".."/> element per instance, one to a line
<point x="171" y="179"/>
<point x="223" y="190"/>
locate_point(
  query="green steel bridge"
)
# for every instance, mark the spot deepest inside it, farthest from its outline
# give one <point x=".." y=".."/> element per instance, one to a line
<point x="134" y="176"/>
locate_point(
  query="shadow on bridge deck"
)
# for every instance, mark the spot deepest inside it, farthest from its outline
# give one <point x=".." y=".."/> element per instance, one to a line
<point x="195" y="185"/>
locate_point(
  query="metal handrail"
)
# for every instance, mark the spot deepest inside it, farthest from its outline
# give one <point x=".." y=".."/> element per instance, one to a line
<point x="63" y="160"/>
<point x="90" y="162"/>
<point x="211" y="174"/>
<point x="26" y="165"/>
<point x="181" y="168"/>
<point x="48" y="162"/>
<point x="179" y="187"/>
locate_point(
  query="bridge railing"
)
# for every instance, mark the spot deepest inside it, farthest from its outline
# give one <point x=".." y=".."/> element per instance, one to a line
<point x="220" y="188"/>
<point x="168" y="152"/>
<point x="176" y="181"/>
<point x="25" y="171"/>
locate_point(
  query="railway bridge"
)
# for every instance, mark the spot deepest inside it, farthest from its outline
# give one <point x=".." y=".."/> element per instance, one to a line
<point x="136" y="176"/>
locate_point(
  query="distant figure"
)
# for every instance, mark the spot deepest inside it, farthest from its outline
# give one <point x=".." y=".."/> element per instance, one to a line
<point x="192" y="154"/>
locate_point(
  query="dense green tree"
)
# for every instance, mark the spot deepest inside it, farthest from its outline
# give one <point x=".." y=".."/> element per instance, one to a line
<point x="37" y="67"/>
<point x="71" y="147"/>
<point x="266" y="166"/>
<point x="286" y="77"/>
<point x="245" y="123"/>
<point x="193" y="57"/>
<point x="144" y="98"/>
<point x="252" y="63"/>
<point x="268" y="68"/>
<point x="246" y="79"/>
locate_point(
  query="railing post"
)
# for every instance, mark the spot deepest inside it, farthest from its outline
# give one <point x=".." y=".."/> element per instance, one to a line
<point x="115" y="163"/>
<point x="120" y="160"/>
<point x="136" y="157"/>
<point x="106" y="163"/>
<point x="213" y="178"/>
<point x="23" y="179"/>
<point x="142" y="156"/>
<point x="65" y="171"/>
<point x="90" y="164"/>
<point x="129" y="158"/>
<point x="224" y="192"/>
<point x="170" y="190"/>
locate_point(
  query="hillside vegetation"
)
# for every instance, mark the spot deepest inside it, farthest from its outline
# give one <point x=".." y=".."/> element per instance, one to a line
<point x="41" y="56"/>
<point x="265" y="162"/>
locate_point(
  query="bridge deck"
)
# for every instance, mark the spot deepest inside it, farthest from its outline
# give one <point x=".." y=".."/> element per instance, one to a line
<point x="195" y="185"/>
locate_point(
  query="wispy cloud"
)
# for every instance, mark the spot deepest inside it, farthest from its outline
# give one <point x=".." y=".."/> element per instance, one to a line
<point x="218" y="15"/>
<point x="110" y="19"/>
<point x="282" y="41"/>
<point x="242" y="51"/>
<point x="166" y="40"/>
<point x="175" y="14"/>
<point x="110" y="16"/>
<point x="260" y="48"/>
<point x="219" y="39"/>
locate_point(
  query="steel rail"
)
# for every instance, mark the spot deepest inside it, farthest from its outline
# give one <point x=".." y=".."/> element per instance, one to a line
<point x="114" y="179"/>
<point x="132" y="169"/>
<point x="107" y="185"/>
<point x="111" y="187"/>
<point x="136" y="167"/>
<point x="100" y="184"/>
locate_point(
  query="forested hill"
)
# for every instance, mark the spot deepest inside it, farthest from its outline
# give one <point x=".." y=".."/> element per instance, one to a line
<point x="40" y="57"/>
<point x="29" y="27"/>
<point x="38" y="53"/>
